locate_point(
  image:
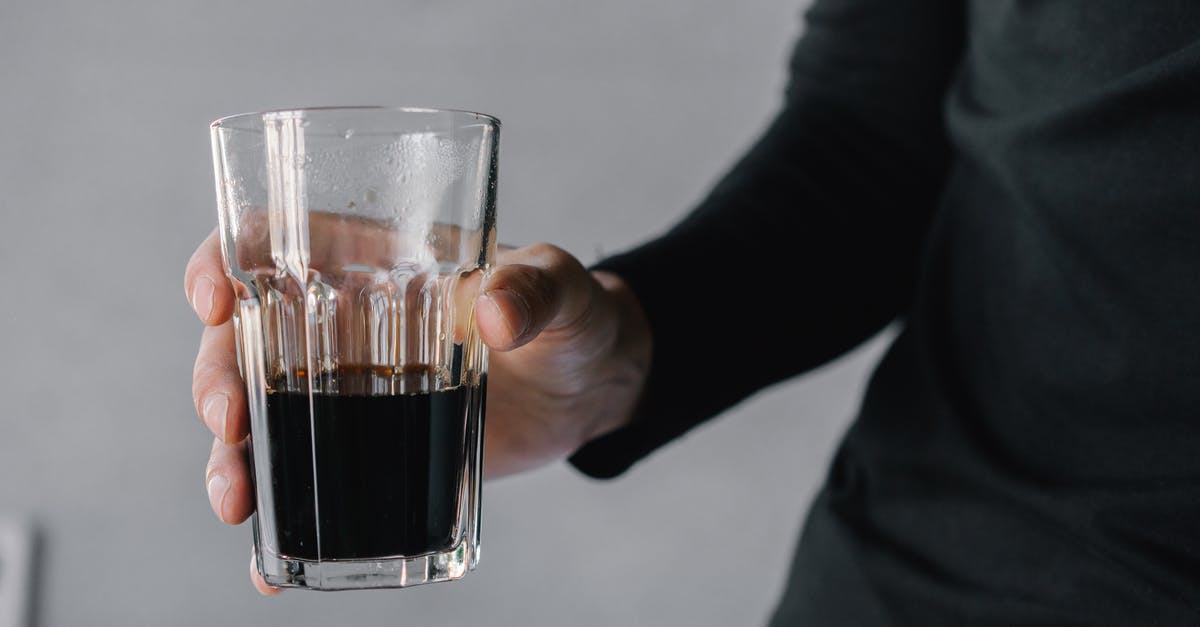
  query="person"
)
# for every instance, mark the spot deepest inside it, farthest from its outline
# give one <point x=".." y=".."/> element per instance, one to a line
<point x="1014" y="186"/>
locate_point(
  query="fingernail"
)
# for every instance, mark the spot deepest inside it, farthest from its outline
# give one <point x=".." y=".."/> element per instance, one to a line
<point x="202" y="297"/>
<point x="218" y="485"/>
<point x="513" y="310"/>
<point x="216" y="408"/>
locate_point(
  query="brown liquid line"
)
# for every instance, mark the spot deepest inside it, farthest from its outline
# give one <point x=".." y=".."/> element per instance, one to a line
<point x="389" y="467"/>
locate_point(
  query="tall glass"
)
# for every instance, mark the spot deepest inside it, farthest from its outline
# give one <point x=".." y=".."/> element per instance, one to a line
<point x="356" y="239"/>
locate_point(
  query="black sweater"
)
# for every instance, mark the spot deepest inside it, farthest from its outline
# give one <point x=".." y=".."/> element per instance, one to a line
<point x="1016" y="184"/>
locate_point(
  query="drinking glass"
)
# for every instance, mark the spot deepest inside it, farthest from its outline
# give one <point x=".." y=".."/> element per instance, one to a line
<point x="356" y="240"/>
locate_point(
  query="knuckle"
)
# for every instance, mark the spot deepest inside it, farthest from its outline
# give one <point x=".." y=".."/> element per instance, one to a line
<point x="552" y="255"/>
<point x="543" y="249"/>
<point x="208" y="377"/>
<point x="214" y="464"/>
<point x="558" y="266"/>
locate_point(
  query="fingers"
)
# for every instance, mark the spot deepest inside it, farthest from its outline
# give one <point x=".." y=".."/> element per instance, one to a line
<point x="227" y="480"/>
<point x="205" y="284"/>
<point x="217" y="387"/>
<point x="538" y="288"/>
<point x="256" y="578"/>
<point x="218" y="392"/>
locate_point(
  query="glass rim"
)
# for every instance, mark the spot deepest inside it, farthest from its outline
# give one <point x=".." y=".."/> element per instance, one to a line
<point x="301" y="112"/>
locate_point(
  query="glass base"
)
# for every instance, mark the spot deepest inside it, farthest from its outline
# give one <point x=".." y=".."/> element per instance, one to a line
<point x="397" y="572"/>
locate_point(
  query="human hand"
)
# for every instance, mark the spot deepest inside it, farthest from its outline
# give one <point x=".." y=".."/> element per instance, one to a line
<point x="569" y="354"/>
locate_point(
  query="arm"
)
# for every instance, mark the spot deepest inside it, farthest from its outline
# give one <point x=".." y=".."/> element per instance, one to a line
<point x="832" y="202"/>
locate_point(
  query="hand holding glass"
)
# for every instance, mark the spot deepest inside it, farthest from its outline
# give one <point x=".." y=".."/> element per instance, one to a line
<point x="356" y="240"/>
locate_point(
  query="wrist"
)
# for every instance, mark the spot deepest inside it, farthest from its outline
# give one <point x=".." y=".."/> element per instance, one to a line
<point x="629" y="360"/>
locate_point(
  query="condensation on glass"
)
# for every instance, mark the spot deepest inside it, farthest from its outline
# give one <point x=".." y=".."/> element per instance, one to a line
<point x="356" y="240"/>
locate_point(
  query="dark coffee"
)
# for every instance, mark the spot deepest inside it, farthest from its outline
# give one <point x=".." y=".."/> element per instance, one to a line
<point x="388" y="471"/>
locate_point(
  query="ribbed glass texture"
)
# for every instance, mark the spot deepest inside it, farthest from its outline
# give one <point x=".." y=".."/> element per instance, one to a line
<point x="356" y="239"/>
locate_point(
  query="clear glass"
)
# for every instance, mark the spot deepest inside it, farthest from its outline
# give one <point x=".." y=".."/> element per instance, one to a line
<point x="356" y="239"/>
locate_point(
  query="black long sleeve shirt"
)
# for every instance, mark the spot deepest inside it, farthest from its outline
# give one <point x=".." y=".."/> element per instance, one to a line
<point x="1016" y="184"/>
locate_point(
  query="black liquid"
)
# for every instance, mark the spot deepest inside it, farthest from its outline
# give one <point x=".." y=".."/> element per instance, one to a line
<point x="388" y="471"/>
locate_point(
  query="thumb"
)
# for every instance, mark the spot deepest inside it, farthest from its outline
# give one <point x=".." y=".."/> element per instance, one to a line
<point x="539" y="288"/>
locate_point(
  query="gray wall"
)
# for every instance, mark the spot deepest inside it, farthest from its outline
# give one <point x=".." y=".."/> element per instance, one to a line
<point x="618" y="116"/>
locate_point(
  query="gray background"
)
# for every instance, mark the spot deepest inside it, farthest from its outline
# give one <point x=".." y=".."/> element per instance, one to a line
<point x="617" y="118"/>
